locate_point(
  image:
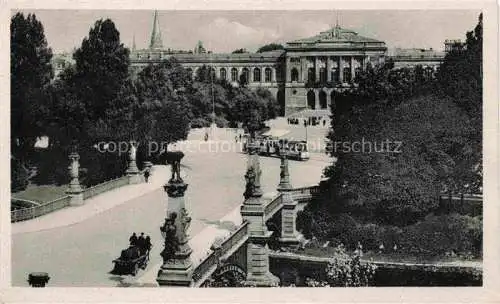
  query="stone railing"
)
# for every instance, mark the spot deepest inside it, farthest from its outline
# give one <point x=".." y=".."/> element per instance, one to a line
<point x="40" y="209"/>
<point x="273" y="206"/>
<point x="304" y="193"/>
<point x="210" y="263"/>
<point x="36" y="211"/>
<point x="106" y="186"/>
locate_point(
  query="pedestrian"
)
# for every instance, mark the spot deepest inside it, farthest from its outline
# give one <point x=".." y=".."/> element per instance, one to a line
<point x="236" y="138"/>
<point x="324" y="122"/>
<point x="206" y="136"/>
<point x="146" y="174"/>
<point x="133" y="239"/>
<point x="240" y="137"/>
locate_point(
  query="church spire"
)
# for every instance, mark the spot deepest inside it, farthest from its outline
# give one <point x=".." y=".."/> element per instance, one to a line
<point x="156" y="42"/>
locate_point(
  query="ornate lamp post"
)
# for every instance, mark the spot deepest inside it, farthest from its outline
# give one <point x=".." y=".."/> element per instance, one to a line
<point x="177" y="265"/>
<point x="284" y="174"/>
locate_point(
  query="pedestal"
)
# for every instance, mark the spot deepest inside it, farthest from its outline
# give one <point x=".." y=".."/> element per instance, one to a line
<point x="289" y="234"/>
<point x="75" y="191"/>
<point x="177" y="269"/>
<point x="132" y="170"/>
<point x="258" y="273"/>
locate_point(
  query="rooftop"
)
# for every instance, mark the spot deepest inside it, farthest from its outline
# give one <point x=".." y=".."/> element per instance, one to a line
<point x="335" y="35"/>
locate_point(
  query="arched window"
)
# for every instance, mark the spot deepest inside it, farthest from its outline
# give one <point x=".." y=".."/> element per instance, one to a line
<point x="256" y="75"/>
<point x="268" y="75"/>
<point x="311" y="75"/>
<point x="223" y="74"/>
<point x="311" y="100"/>
<point x="245" y="75"/>
<point x="234" y="74"/>
<point x="347" y="74"/>
<point x="322" y="75"/>
<point x="335" y="75"/>
<point x="322" y="100"/>
<point x="295" y="75"/>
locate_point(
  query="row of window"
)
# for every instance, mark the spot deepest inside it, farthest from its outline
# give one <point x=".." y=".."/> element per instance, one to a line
<point x="335" y="77"/>
<point x="257" y="74"/>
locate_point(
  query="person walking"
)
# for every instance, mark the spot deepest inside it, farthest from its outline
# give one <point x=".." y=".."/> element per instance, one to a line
<point x="148" y="245"/>
<point x="146" y="175"/>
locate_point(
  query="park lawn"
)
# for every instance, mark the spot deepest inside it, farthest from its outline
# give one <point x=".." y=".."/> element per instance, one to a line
<point x="388" y="257"/>
<point x="41" y="193"/>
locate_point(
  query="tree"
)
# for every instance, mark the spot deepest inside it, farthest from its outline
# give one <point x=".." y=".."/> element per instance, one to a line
<point x="240" y="51"/>
<point x="270" y="47"/>
<point x="31" y="73"/>
<point x="100" y="79"/>
<point x="163" y="109"/>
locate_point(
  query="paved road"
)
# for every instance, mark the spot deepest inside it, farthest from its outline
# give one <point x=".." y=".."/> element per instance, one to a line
<point x="81" y="254"/>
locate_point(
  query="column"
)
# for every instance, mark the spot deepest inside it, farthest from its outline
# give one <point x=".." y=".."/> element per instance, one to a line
<point x="316" y="99"/>
<point x="328" y="69"/>
<point x="328" y="99"/>
<point x="177" y="266"/>
<point x="132" y="170"/>
<point x="288" y="70"/>
<point x="352" y="68"/>
<point x="341" y="70"/>
<point x="258" y="273"/>
<point x="316" y="69"/>
<point x="75" y="191"/>
<point x="304" y="69"/>
<point x="273" y="75"/>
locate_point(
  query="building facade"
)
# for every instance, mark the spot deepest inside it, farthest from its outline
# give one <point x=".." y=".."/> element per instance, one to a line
<point x="306" y="74"/>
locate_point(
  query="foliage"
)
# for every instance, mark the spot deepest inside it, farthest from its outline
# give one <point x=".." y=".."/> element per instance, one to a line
<point x="31" y="72"/>
<point x="240" y="51"/>
<point x="270" y="47"/>
<point x="346" y="271"/>
<point x="18" y="175"/>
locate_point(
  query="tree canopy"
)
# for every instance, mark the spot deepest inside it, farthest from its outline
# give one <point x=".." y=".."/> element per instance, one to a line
<point x="31" y="73"/>
<point x="270" y="47"/>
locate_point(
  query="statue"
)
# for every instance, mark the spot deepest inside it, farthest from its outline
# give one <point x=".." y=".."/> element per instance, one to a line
<point x="250" y="185"/>
<point x="171" y="240"/>
<point x="133" y="151"/>
<point x="174" y="160"/>
<point x="185" y="221"/>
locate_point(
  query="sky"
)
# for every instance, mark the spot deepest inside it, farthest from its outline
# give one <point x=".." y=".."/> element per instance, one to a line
<point x="225" y="31"/>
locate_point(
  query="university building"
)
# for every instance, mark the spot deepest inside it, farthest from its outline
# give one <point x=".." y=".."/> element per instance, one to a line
<point x="306" y="74"/>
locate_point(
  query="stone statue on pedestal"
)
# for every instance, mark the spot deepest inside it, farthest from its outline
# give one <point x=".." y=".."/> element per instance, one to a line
<point x="171" y="239"/>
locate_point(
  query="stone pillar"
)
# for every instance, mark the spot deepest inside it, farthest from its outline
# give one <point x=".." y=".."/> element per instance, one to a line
<point x="341" y="70"/>
<point x="316" y="99"/>
<point x="328" y="99"/>
<point x="352" y="68"/>
<point x="177" y="266"/>
<point x="289" y="234"/>
<point x="328" y="69"/>
<point x="75" y="191"/>
<point x="132" y="170"/>
<point x="304" y="69"/>
<point x="258" y="273"/>
<point x="316" y="69"/>
<point x="273" y="75"/>
<point x="288" y="70"/>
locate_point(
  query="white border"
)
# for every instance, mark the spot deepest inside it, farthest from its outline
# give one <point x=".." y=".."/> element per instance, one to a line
<point x="488" y="293"/>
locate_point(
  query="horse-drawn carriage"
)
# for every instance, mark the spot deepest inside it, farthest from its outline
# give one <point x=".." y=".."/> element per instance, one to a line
<point x="130" y="260"/>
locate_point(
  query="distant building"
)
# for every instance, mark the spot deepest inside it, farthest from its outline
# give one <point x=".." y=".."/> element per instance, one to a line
<point x="305" y="75"/>
<point x="453" y="45"/>
<point x="60" y="62"/>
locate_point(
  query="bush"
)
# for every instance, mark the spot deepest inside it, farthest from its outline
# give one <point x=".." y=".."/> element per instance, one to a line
<point x="18" y="176"/>
<point x="439" y="235"/>
<point x="200" y="122"/>
<point x="346" y="271"/>
<point x="52" y="167"/>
